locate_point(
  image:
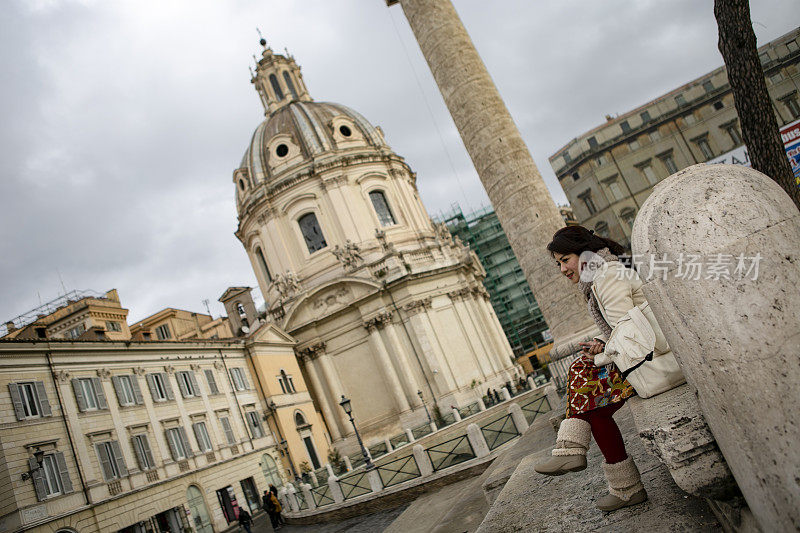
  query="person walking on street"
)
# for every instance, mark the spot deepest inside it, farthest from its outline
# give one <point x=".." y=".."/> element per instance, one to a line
<point x="269" y="508"/>
<point x="245" y="520"/>
<point x="276" y="506"/>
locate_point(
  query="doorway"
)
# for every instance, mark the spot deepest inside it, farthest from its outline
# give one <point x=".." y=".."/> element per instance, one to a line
<point x="312" y="452"/>
<point x="228" y="503"/>
<point x="250" y="494"/>
<point x="199" y="512"/>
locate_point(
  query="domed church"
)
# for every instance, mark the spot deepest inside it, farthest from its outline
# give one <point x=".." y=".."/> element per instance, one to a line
<point x="384" y="304"/>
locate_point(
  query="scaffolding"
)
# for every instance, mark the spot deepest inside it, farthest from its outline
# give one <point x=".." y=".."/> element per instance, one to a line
<point x="510" y="294"/>
<point x="47" y="309"/>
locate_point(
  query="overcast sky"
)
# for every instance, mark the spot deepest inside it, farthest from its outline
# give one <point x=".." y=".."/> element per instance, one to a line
<point x="122" y="121"/>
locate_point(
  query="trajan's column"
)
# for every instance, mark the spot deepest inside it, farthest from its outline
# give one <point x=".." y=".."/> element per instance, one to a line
<point x="517" y="191"/>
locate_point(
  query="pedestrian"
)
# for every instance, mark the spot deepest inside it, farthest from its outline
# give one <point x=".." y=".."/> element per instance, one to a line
<point x="489" y="396"/>
<point x="595" y="393"/>
<point x="269" y="508"/>
<point x="496" y="396"/>
<point x="276" y="506"/>
<point x="245" y="520"/>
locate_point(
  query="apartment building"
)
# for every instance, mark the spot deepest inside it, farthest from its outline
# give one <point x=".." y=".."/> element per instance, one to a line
<point x="609" y="171"/>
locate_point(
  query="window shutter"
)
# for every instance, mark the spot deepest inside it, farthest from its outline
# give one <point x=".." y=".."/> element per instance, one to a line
<point x="185" y="439"/>
<point x="245" y="384"/>
<point x="44" y="403"/>
<point x="152" y="384"/>
<point x="16" y="399"/>
<point x="101" y="396"/>
<point x="212" y="382"/>
<point x="148" y="452"/>
<point x="167" y="386"/>
<point x="181" y="384"/>
<point x="118" y="389"/>
<point x="79" y="397"/>
<point x="38" y="479"/>
<point x="66" y="482"/>
<point x="196" y="428"/>
<point x="226" y="428"/>
<point x="172" y="448"/>
<point x="137" y="392"/>
<point x="123" y="470"/>
<point x="195" y="388"/>
<point x="140" y="460"/>
<point x="105" y="462"/>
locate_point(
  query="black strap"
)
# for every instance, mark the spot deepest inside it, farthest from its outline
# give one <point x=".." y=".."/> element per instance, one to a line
<point x="648" y="357"/>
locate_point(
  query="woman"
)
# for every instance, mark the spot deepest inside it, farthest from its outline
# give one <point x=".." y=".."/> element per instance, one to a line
<point x="596" y="393"/>
<point x="276" y="506"/>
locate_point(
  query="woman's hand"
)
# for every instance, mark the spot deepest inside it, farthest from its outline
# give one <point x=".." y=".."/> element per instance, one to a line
<point x="592" y="347"/>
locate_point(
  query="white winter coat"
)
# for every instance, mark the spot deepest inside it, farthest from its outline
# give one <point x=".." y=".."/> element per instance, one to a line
<point x="635" y="331"/>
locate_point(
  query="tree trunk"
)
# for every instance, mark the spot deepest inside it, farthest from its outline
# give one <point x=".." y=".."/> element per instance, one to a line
<point x="737" y="44"/>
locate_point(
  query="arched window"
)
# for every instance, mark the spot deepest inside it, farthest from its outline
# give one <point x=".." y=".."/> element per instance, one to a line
<point x="276" y="86"/>
<point x="270" y="469"/>
<point x="312" y="233"/>
<point x="299" y="419"/>
<point x="628" y="215"/>
<point x="381" y="206"/>
<point x="262" y="262"/>
<point x="601" y="228"/>
<point x="289" y="84"/>
<point x="240" y="310"/>
<point x="197" y="506"/>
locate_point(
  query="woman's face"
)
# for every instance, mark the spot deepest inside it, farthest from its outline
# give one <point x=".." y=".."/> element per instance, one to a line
<point x="569" y="265"/>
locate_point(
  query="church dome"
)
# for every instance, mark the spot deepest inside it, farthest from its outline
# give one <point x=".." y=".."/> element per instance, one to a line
<point x="301" y="130"/>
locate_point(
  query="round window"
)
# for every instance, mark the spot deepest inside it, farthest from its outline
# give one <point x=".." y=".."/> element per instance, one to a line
<point x="281" y="150"/>
<point x="344" y="130"/>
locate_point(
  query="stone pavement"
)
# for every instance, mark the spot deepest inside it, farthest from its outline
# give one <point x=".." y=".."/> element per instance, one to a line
<point x="533" y="502"/>
<point x="371" y="523"/>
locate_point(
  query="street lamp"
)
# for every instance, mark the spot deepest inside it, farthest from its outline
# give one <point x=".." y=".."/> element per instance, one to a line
<point x="39" y="456"/>
<point x="348" y="409"/>
<point x="419" y="393"/>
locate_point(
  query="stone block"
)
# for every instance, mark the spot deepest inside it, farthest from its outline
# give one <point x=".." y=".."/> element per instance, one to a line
<point x="672" y="427"/>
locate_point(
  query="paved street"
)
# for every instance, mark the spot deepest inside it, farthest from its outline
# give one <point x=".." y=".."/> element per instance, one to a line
<point x="372" y="523"/>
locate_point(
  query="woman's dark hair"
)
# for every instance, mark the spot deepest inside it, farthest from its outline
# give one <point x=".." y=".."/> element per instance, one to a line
<point x="577" y="239"/>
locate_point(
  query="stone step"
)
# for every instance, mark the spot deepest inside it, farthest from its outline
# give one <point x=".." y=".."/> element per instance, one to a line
<point x="530" y="501"/>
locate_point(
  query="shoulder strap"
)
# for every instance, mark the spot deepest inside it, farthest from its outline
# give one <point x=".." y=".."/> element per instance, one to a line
<point x="648" y="357"/>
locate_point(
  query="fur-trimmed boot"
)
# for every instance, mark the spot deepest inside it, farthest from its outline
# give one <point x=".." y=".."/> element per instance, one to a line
<point x="569" y="455"/>
<point x="624" y="486"/>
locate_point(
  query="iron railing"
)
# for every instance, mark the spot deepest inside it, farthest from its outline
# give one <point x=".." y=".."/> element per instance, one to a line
<point x="535" y="407"/>
<point x="448" y="418"/>
<point x="421" y="431"/>
<point x="450" y="452"/>
<point x="399" y="470"/>
<point x="301" y="500"/>
<point x="322" y="495"/>
<point x="354" y="485"/>
<point x="469" y="410"/>
<point x="378" y="450"/>
<point x="399" y="440"/>
<point x="499" y="431"/>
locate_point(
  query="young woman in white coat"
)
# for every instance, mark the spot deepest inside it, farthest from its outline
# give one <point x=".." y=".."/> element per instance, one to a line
<point x="595" y="393"/>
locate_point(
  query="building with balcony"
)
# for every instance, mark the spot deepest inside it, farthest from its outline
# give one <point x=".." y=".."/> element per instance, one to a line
<point x="609" y="171"/>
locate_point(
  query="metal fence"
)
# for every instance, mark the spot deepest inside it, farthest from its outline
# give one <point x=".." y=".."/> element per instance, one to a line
<point x="301" y="500"/>
<point x="469" y="410"/>
<point x="448" y="418"/>
<point x="399" y="470"/>
<point x="559" y="369"/>
<point x="421" y="431"/>
<point x="450" y="452"/>
<point x="377" y="450"/>
<point x="535" y="407"/>
<point x="499" y="431"/>
<point x="322" y="495"/>
<point x="355" y="485"/>
<point x="399" y="440"/>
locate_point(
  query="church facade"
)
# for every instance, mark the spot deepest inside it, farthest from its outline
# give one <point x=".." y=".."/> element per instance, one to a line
<point x="387" y="308"/>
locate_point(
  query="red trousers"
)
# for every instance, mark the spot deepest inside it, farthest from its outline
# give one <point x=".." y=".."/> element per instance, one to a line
<point x="606" y="432"/>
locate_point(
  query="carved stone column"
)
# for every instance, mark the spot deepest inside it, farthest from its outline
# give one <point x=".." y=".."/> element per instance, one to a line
<point x="526" y="210"/>
<point x="385" y="361"/>
<point x="307" y="356"/>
